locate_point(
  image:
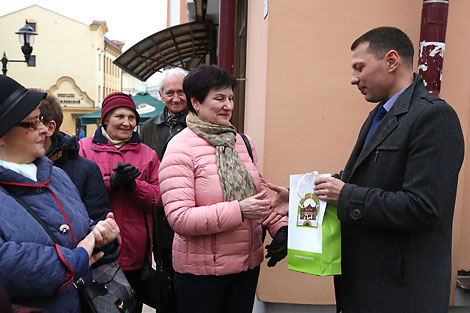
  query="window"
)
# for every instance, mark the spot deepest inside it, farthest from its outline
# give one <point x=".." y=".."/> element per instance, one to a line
<point x="238" y="116"/>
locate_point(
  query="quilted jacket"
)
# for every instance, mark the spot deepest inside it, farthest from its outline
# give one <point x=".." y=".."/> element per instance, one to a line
<point x="85" y="174"/>
<point x="211" y="237"/>
<point x="128" y="207"/>
<point x="38" y="273"/>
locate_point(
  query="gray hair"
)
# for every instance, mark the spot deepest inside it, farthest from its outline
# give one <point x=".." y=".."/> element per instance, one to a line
<point x="172" y="70"/>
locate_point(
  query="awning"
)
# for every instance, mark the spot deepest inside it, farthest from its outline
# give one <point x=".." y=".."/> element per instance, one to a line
<point x="146" y="105"/>
<point x="185" y="45"/>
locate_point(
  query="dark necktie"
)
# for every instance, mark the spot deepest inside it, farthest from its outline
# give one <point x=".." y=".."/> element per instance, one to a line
<point x="378" y="117"/>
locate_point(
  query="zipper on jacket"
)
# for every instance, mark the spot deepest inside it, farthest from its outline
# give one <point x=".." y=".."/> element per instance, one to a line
<point x="214" y="250"/>
<point x="250" y="250"/>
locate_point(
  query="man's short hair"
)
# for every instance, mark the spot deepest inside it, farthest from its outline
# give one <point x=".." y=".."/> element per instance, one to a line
<point x="383" y="39"/>
<point x="172" y="70"/>
<point x="51" y="110"/>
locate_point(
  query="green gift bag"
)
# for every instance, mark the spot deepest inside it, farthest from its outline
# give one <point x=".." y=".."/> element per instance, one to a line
<point x="314" y="241"/>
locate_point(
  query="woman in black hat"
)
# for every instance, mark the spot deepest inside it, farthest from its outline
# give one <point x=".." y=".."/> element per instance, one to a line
<point x="37" y="272"/>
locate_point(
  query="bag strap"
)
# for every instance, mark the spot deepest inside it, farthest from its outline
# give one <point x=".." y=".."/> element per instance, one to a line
<point x="247" y="144"/>
<point x="250" y="152"/>
<point x="147" y="245"/>
<point x="157" y="251"/>
<point x="36" y="217"/>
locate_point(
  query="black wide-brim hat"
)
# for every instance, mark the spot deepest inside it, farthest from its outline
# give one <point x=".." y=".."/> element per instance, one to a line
<point x="16" y="102"/>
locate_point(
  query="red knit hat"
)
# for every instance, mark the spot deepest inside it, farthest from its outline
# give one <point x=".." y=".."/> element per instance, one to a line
<point x="116" y="100"/>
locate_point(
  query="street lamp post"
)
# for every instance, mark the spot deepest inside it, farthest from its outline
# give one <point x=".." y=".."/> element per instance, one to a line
<point x="26" y="36"/>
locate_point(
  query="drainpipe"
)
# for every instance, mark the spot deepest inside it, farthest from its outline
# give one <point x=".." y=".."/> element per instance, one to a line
<point x="432" y="43"/>
<point x="227" y="20"/>
<point x="104" y="72"/>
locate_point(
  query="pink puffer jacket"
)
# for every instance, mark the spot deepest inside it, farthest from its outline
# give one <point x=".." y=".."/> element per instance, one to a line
<point x="210" y="236"/>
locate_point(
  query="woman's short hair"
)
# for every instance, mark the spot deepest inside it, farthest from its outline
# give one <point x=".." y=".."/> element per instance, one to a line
<point x="202" y="79"/>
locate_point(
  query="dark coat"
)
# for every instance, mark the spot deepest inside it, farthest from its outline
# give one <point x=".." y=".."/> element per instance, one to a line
<point x="156" y="134"/>
<point x="85" y="174"/>
<point x="37" y="273"/>
<point x="397" y="206"/>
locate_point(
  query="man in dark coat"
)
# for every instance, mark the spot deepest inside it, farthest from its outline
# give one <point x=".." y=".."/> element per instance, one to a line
<point x="156" y="133"/>
<point x="397" y="193"/>
<point x="62" y="150"/>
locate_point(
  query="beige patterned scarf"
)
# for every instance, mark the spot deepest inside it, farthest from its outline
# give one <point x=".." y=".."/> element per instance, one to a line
<point x="236" y="181"/>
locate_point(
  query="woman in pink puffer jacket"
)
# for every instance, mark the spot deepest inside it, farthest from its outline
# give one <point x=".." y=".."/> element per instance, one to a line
<point x="214" y="198"/>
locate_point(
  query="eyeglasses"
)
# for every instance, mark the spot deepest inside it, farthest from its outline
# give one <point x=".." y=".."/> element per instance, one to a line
<point x="33" y="125"/>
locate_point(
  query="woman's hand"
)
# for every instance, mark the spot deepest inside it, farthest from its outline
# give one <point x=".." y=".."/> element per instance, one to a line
<point x="88" y="243"/>
<point x="256" y="207"/>
<point x="105" y="231"/>
<point x="279" y="204"/>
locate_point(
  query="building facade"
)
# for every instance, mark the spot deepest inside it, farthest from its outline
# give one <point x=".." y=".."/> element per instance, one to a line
<point x="74" y="61"/>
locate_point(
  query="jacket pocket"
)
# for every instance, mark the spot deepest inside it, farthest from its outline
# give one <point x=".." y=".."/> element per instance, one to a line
<point x="387" y="148"/>
<point x="384" y="151"/>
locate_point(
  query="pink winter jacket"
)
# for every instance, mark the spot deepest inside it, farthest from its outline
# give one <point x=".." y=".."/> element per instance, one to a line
<point x="128" y="207"/>
<point x="210" y="236"/>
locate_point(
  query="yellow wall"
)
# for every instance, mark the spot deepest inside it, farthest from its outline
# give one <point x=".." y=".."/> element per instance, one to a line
<point x="73" y="61"/>
<point x="73" y="51"/>
<point x="304" y="115"/>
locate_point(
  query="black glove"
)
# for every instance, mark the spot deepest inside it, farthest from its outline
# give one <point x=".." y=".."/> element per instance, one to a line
<point x="124" y="176"/>
<point x="277" y="250"/>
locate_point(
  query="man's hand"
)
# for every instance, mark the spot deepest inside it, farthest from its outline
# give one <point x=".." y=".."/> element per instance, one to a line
<point x="279" y="204"/>
<point x="328" y="189"/>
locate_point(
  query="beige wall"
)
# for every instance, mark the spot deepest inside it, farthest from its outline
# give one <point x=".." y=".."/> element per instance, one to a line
<point x="304" y="115"/>
<point x="456" y="90"/>
<point x="256" y="66"/>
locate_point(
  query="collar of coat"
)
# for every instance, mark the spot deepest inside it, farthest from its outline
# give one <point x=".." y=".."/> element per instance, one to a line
<point x="100" y="139"/>
<point x="100" y="143"/>
<point x="389" y="122"/>
<point x="161" y="117"/>
<point x="44" y="166"/>
<point x="63" y="147"/>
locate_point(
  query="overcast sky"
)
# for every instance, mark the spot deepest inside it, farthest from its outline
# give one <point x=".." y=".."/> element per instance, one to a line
<point x="128" y="20"/>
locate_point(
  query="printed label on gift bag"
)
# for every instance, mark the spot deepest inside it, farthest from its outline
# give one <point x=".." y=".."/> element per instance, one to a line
<point x="308" y="211"/>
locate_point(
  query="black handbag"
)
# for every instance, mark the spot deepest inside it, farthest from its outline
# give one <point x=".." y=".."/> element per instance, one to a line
<point x="101" y="296"/>
<point x="110" y="291"/>
<point x="155" y="286"/>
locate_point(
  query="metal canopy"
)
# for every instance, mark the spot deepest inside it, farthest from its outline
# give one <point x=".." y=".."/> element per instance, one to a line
<point x="185" y="45"/>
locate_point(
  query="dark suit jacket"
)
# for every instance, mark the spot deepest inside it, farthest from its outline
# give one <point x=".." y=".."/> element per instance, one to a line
<point x="397" y="206"/>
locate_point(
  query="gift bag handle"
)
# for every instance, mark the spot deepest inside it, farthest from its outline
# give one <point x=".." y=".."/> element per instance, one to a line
<point x="300" y="182"/>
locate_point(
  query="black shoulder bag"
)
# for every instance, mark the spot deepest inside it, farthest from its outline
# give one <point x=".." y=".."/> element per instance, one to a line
<point x="250" y="152"/>
<point x="155" y="287"/>
<point x="110" y="291"/>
